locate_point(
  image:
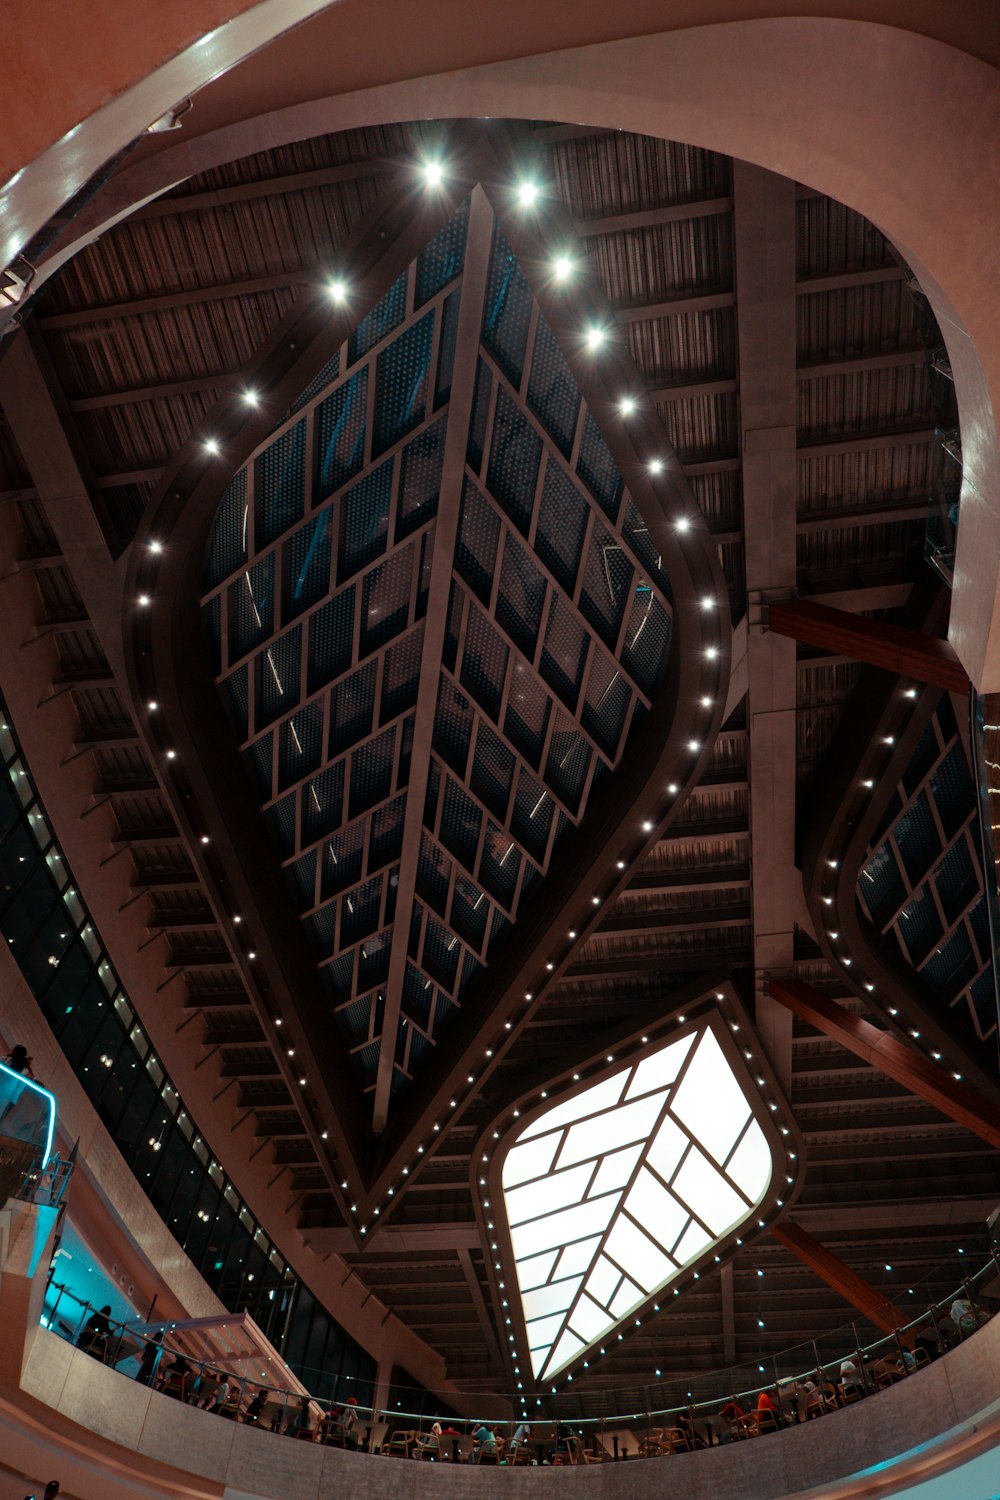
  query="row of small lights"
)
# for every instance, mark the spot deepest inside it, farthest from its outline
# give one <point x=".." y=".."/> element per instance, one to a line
<point x="868" y="784"/>
<point x="597" y="1067"/>
<point x="526" y="195"/>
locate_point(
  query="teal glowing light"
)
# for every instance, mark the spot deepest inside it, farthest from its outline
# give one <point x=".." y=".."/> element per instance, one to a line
<point x="27" y="1111"/>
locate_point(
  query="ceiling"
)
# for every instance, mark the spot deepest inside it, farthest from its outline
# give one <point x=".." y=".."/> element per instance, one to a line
<point x="787" y="377"/>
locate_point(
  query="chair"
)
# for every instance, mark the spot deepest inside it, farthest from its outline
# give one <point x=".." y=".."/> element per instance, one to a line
<point x="332" y="1433"/>
<point x="594" y="1458"/>
<point x="767" y="1420"/>
<point x="427" y="1447"/>
<point x="651" y="1446"/>
<point x="743" y="1427"/>
<point x="675" y="1440"/>
<point x="400" y="1443"/>
<point x="520" y="1454"/>
<point x="231" y="1406"/>
<point x="570" y="1454"/>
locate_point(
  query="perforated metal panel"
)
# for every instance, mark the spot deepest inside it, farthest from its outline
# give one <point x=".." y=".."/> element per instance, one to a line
<point x="515" y="454"/>
<point x="881" y="886"/>
<point x="442" y="258"/>
<point x="280" y="485"/>
<point x="608" y="585"/>
<point x="401" y="384"/>
<point x="562" y="521"/>
<point x="521" y="597"/>
<point x="227" y="549"/>
<point x="484" y="662"/>
<point x="420" y="478"/>
<point x="917" y="838"/>
<point x="251" y="605"/>
<point x="597" y="468"/>
<point x="383" y="318"/>
<point x="278" y="669"/>
<point x="552" y="392"/>
<point x="385" y="600"/>
<point x="364" y="521"/>
<point x="478" y="533"/>
<point x="330" y="640"/>
<point x="340" y="435"/>
<point x="371" y="773"/>
<point x="305" y="565"/>
<point x="564" y="652"/>
<point x="507" y="312"/>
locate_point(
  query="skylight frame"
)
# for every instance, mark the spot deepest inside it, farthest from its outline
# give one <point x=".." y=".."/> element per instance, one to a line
<point x="717" y="1011"/>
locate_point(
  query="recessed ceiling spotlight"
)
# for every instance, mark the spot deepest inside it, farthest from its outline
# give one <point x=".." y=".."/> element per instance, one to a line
<point x="433" y="173"/>
<point x="211" y="445"/>
<point x="910" y="693"/>
<point x="694" y="746"/>
<point x="708" y="604"/>
<point x="251" y="397"/>
<point x="647" y="826"/>
<point x="656" y="465"/>
<point x="171" y="755"/>
<point x="627" y="405"/>
<point x="152" y="705"/>
<point x="683" y="523"/>
<point x="337" y="290"/>
<point x="706" y="703"/>
<point x="156" y="546"/>
<point x="594" y="337"/>
<point x="711" y="652"/>
<point x="144" y="600"/>
<point x="527" y="193"/>
<point x="672" y="788"/>
<point x="562" y="268"/>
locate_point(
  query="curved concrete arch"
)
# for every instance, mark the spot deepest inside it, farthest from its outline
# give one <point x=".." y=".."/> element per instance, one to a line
<point x="89" y="79"/>
<point x="884" y="120"/>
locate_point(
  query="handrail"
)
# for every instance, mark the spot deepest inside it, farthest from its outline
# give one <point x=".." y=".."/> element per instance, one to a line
<point x="122" y="1342"/>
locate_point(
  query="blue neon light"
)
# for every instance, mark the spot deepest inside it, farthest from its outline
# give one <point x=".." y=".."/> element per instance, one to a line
<point x="29" y="1083"/>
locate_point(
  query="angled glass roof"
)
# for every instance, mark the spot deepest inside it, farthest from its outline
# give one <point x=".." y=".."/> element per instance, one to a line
<point x="610" y="1193"/>
<point x="316" y="594"/>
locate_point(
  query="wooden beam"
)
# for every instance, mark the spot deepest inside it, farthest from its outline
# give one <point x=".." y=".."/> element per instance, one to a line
<point x="872" y="1304"/>
<point x="956" y="1100"/>
<point x="907" y="653"/>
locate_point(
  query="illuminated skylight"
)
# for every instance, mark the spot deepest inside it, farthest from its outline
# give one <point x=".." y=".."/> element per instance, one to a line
<point x="611" y="1193"/>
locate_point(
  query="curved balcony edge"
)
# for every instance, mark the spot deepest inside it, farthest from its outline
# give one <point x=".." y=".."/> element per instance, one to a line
<point x="68" y="1415"/>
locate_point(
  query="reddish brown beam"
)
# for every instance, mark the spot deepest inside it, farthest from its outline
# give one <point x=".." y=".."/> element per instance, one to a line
<point x="956" y="1100"/>
<point x="892" y="647"/>
<point x="845" y="1282"/>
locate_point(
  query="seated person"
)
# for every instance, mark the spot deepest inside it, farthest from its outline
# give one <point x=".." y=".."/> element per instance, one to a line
<point x="484" y="1445"/>
<point x="177" y="1378"/>
<point x="349" y="1421"/>
<point x="94" y="1335"/>
<point x="851" y="1382"/>
<point x="564" y="1436"/>
<point x="963" y="1315"/>
<point x="766" y="1403"/>
<point x="255" y="1410"/>
<point x="522" y="1432"/>
<point x="222" y="1393"/>
<point x="146" y="1372"/>
<point x="302" y="1426"/>
<point x="430" y="1442"/>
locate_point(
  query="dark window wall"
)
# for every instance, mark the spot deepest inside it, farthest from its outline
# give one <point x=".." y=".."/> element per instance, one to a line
<point x="50" y="934"/>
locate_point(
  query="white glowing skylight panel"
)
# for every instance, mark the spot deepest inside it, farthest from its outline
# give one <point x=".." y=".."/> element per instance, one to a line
<point x="610" y="1193"/>
<point x="532" y="1160"/>
<point x="604" y="1278"/>
<point x="548" y="1194"/>
<point x="709" y="1101"/>
<point x="589" y="1319"/>
<point x="596" y="1137"/>
<point x="691" y="1243"/>
<point x="602" y="1096"/>
<point x="656" y="1208"/>
<point x="625" y="1299"/>
<point x="669" y="1145"/>
<point x="554" y="1298"/>
<point x="535" y="1271"/>
<point x="566" y="1350"/>
<point x="616" y="1170"/>
<point x="577" y="1257"/>
<point x="750" y="1164"/>
<point x="660" y="1070"/>
<point x="559" y="1229"/>
<point x="542" y="1332"/>
<point x="708" y="1193"/>
<point x="632" y="1247"/>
